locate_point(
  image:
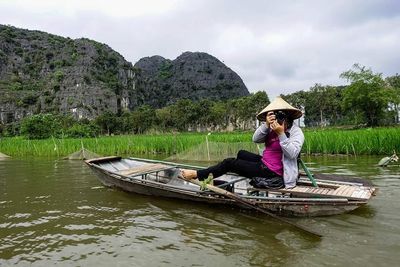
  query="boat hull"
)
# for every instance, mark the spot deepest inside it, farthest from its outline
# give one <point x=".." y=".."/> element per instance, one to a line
<point x="285" y="206"/>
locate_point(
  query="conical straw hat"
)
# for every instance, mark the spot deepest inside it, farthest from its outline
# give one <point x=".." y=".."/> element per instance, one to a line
<point x="280" y="104"/>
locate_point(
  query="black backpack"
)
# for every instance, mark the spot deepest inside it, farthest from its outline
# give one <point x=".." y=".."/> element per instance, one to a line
<point x="267" y="183"/>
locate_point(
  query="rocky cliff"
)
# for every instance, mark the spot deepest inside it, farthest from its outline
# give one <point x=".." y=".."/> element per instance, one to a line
<point x="41" y="72"/>
<point x="194" y="76"/>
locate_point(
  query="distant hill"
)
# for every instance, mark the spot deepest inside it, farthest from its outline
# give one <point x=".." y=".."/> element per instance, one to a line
<point x="41" y="72"/>
<point x="193" y="76"/>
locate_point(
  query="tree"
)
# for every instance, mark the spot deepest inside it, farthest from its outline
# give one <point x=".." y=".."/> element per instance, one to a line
<point x="218" y="115"/>
<point x="322" y="105"/>
<point x="143" y="118"/>
<point x="232" y="110"/>
<point x="394" y="85"/>
<point x="164" y="120"/>
<point x="258" y="101"/>
<point x="366" y="94"/>
<point x="108" y="122"/>
<point x="297" y="99"/>
<point x="40" y="126"/>
<point x="184" y="113"/>
<point x="204" y="115"/>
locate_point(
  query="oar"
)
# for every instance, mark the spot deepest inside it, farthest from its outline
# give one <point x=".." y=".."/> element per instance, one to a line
<point x="249" y="204"/>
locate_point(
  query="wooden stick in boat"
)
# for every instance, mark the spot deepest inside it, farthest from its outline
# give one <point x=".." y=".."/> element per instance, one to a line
<point x="249" y="204"/>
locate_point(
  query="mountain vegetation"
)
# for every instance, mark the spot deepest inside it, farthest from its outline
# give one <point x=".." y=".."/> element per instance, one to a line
<point x="44" y="73"/>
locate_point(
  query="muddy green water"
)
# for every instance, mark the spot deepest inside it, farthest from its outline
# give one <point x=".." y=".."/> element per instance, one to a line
<point x="56" y="213"/>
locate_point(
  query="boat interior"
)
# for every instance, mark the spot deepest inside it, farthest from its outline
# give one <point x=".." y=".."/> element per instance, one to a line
<point x="167" y="174"/>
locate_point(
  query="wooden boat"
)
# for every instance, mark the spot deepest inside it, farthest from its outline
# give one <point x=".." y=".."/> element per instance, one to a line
<point x="159" y="178"/>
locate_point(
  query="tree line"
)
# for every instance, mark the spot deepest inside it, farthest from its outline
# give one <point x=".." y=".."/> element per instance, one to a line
<point x="184" y="115"/>
<point x="369" y="100"/>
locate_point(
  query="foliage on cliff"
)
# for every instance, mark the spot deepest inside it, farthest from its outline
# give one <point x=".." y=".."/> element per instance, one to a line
<point x="45" y="73"/>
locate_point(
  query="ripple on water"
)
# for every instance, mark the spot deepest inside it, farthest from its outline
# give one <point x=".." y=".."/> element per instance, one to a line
<point x="20" y="215"/>
<point x="29" y="223"/>
<point x="106" y="209"/>
<point x="53" y="211"/>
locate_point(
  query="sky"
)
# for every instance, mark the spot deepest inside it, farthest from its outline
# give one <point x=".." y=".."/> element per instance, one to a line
<point x="275" y="46"/>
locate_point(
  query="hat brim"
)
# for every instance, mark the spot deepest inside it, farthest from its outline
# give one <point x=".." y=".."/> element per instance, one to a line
<point x="280" y="104"/>
<point x="292" y="114"/>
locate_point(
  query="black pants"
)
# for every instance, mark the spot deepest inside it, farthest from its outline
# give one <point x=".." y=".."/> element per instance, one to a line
<point x="246" y="164"/>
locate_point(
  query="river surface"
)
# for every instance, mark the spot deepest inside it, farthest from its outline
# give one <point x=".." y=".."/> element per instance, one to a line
<point x="56" y="213"/>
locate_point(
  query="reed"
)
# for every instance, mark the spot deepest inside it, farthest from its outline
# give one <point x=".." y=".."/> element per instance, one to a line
<point x="371" y="141"/>
<point x="378" y="141"/>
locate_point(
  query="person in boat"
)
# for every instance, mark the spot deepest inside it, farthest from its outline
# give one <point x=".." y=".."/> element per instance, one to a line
<point x="277" y="166"/>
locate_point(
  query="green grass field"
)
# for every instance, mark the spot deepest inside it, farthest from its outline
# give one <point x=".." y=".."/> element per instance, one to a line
<point x="371" y="141"/>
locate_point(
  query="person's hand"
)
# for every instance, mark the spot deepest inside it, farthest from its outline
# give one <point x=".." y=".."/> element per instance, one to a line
<point x="270" y="117"/>
<point x="277" y="128"/>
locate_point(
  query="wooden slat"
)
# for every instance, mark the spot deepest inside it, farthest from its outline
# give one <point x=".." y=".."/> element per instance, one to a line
<point x="144" y="169"/>
<point x="367" y="194"/>
<point x="357" y="194"/>
<point x="310" y="190"/>
<point x="343" y="191"/>
<point x="339" y="193"/>
<point x="362" y="194"/>
<point x="349" y="191"/>
<point x="325" y="191"/>
<point x="340" y="190"/>
<point x="316" y="191"/>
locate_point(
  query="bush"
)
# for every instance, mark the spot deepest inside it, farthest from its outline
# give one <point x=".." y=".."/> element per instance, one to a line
<point x="40" y="126"/>
<point x="107" y="122"/>
<point x="59" y="75"/>
<point x="29" y="100"/>
<point x="11" y="129"/>
<point x="83" y="130"/>
<point x="15" y="86"/>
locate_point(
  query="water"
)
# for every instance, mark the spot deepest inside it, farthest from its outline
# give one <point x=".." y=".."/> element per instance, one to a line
<point x="56" y="213"/>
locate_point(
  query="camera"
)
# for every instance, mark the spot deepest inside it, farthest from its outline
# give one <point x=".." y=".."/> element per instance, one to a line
<point x="280" y="116"/>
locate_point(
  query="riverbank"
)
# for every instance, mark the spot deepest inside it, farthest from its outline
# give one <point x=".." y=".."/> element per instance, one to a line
<point x="370" y="141"/>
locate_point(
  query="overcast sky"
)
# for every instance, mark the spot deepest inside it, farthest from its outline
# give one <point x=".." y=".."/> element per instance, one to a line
<point x="274" y="46"/>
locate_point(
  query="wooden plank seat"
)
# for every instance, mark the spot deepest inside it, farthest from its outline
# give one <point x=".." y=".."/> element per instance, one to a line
<point x="341" y="191"/>
<point x="145" y="169"/>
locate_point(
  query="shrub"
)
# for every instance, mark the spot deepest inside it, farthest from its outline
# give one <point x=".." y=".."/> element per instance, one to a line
<point x="40" y="126"/>
<point x="59" y="75"/>
<point x="15" y="86"/>
<point x="11" y="129"/>
<point x="164" y="71"/>
<point x="29" y="100"/>
<point x="83" y="130"/>
<point x="49" y="56"/>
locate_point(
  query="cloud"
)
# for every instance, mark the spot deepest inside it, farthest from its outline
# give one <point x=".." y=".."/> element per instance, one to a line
<point x="277" y="46"/>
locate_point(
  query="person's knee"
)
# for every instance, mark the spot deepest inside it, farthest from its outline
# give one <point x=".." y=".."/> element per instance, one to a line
<point x="241" y="154"/>
<point x="228" y="161"/>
